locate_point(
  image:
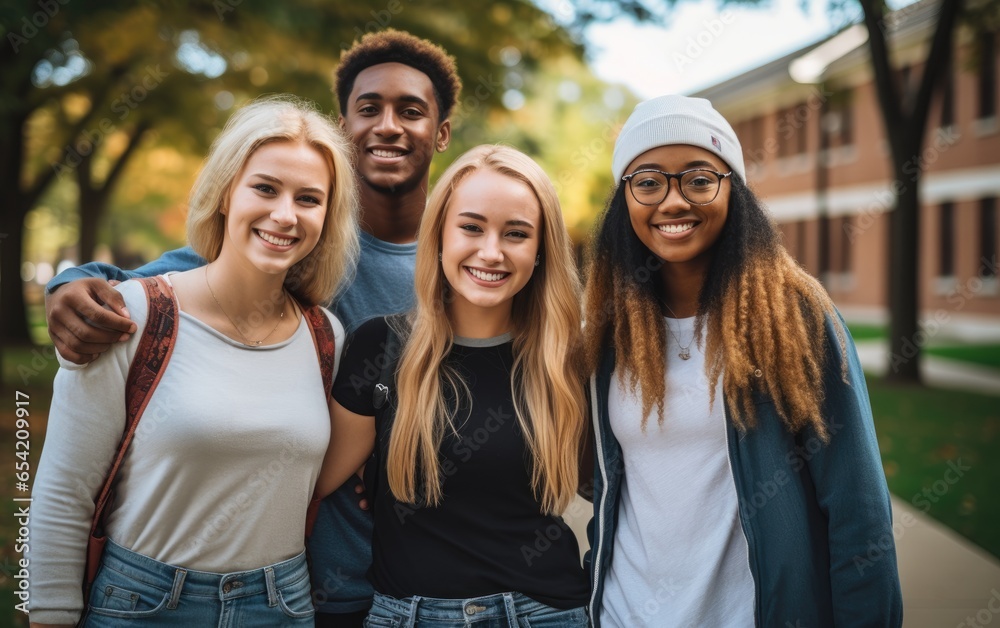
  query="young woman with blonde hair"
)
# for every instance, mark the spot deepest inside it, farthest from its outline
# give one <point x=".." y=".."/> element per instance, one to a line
<point x="478" y="405"/>
<point x="210" y="502"/>
<point x="738" y="477"/>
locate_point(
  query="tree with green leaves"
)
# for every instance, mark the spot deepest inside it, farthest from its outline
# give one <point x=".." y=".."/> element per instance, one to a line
<point x="104" y="74"/>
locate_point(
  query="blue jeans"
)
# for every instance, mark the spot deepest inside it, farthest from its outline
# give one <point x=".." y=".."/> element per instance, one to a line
<point x="135" y="590"/>
<point x="503" y="610"/>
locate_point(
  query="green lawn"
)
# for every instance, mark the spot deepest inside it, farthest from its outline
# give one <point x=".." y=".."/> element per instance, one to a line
<point x="979" y="354"/>
<point x="867" y="332"/>
<point x="939" y="453"/>
<point x="983" y="355"/>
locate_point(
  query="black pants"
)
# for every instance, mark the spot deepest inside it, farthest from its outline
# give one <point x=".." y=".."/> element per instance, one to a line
<point x="341" y="620"/>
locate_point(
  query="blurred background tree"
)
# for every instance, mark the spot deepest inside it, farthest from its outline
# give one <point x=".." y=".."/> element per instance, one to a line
<point x="107" y="108"/>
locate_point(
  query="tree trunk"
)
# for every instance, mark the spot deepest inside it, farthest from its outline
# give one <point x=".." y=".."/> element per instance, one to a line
<point x="94" y="197"/>
<point x="91" y="204"/>
<point x="13" y="318"/>
<point x="904" y="115"/>
<point x="904" y="286"/>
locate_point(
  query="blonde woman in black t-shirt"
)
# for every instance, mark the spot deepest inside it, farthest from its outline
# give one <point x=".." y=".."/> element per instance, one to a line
<point x="479" y="413"/>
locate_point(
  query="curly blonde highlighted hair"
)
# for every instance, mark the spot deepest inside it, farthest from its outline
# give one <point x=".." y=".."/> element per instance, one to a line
<point x="315" y="278"/>
<point x="764" y="317"/>
<point x="547" y="383"/>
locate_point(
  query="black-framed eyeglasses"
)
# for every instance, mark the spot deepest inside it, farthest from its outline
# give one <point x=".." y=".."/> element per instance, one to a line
<point x="698" y="186"/>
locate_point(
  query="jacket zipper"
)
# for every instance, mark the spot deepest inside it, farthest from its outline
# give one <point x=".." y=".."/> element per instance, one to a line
<point x="599" y="536"/>
<point x="743" y="525"/>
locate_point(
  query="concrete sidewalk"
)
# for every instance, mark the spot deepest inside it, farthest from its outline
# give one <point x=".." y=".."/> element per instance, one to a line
<point x="946" y="580"/>
<point x="937" y="371"/>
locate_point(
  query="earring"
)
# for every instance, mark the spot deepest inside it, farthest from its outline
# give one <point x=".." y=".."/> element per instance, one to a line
<point x="538" y="258"/>
<point x="439" y="257"/>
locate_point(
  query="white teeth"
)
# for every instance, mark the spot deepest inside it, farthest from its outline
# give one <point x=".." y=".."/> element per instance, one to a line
<point x="676" y="228"/>
<point x="386" y="153"/>
<point x="275" y="241"/>
<point x="478" y="274"/>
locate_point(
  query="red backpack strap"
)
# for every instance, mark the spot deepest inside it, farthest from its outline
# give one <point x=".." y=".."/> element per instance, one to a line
<point x="326" y="343"/>
<point x="155" y="348"/>
<point x="326" y="350"/>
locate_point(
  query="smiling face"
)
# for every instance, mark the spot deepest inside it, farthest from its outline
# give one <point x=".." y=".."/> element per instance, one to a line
<point x="277" y="207"/>
<point x="489" y="240"/>
<point x="392" y="118"/>
<point x="676" y="231"/>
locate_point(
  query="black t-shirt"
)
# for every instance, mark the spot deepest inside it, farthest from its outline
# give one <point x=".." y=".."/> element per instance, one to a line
<point x="488" y="535"/>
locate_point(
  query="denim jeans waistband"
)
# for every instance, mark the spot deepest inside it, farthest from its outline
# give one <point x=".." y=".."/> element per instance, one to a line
<point x="221" y="586"/>
<point x="497" y="606"/>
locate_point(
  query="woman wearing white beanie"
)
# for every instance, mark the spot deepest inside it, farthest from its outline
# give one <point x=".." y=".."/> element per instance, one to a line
<point x="738" y="477"/>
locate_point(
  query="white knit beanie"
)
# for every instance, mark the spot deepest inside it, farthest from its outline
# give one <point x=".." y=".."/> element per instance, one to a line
<point x="668" y="120"/>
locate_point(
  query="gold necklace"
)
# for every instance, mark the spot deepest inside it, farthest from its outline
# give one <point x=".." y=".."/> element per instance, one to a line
<point x="685" y="352"/>
<point x="246" y="341"/>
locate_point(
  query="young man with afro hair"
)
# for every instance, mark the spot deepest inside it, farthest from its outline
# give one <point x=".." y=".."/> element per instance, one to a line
<point x="396" y="92"/>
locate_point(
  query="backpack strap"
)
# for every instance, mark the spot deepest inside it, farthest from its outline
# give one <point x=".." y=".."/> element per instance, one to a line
<point x="326" y="349"/>
<point x="325" y="341"/>
<point x="155" y="348"/>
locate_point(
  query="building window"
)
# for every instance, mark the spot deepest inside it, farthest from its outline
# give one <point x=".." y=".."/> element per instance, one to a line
<point x="988" y="237"/>
<point x="946" y="245"/>
<point x="749" y="134"/>
<point x="792" y="130"/>
<point x="846" y="121"/>
<point x="987" y="76"/>
<point x="753" y="133"/>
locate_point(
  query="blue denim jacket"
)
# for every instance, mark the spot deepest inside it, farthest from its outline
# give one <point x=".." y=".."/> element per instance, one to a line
<point x="816" y="516"/>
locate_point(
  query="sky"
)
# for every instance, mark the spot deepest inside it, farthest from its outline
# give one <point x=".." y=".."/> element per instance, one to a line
<point x="704" y="44"/>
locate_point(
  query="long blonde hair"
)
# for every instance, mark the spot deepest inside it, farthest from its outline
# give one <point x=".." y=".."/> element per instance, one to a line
<point x="315" y="278"/>
<point x="547" y="382"/>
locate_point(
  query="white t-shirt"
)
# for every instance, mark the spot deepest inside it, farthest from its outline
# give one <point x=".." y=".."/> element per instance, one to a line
<point x="218" y="475"/>
<point x="680" y="557"/>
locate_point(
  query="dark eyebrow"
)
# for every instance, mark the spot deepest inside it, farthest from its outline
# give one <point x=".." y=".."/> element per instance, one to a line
<point x="513" y="223"/>
<point x="268" y="177"/>
<point x="405" y="98"/>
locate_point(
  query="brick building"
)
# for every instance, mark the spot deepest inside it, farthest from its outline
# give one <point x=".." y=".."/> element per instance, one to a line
<point x="816" y="153"/>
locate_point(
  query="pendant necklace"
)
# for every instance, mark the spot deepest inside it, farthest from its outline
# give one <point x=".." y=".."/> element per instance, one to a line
<point x="246" y="341"/>
<point x="685" y="351"/>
